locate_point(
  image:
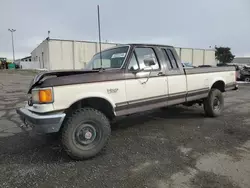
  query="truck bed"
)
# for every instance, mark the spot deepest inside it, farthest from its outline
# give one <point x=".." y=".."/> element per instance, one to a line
<point x="199" y="70"/>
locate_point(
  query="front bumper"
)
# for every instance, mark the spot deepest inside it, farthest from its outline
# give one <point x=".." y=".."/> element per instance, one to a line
<point x="42" y="124"/>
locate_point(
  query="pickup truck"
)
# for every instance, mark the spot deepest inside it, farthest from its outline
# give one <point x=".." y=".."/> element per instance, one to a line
<point x="81" y="104"/>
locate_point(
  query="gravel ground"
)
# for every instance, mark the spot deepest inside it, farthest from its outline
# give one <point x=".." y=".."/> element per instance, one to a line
<point x="177" y="147"/>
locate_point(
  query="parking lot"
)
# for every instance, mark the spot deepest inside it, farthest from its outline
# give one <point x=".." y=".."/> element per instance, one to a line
<point x="177" y="147"/>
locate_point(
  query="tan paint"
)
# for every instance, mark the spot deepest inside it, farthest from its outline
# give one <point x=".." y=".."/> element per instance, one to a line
<point x="132" y="89"/>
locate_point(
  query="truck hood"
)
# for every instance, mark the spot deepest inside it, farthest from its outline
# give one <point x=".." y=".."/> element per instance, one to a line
<point x="41" y="77"/>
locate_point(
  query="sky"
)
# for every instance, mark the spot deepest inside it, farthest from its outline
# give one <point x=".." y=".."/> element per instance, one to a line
<point x="182" y="23"/>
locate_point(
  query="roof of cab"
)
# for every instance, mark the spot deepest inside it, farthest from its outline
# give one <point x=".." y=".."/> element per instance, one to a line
<point x="148" y="44"/>
<point x="135" y="44"/>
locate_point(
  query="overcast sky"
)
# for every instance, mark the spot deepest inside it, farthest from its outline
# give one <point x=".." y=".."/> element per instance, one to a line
<point x="184" y="23"/>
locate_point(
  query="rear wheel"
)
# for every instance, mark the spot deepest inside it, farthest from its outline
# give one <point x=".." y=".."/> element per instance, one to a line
<point x="85" y="133"/>
<point x="247" y="79"/>
<point x="214" y="103"/>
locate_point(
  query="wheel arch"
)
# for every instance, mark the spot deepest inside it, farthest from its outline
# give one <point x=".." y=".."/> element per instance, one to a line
<point x="219" y="84"/>
<point x="98" y="102"/>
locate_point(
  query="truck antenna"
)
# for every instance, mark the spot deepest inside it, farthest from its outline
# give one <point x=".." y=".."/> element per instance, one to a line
<point x="99" y="32"/>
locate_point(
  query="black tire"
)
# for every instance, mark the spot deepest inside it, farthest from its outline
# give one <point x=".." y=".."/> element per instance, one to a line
<point x="247" y="79"/>
<point x="85" y="121"/>
<point x="211" y="107"/>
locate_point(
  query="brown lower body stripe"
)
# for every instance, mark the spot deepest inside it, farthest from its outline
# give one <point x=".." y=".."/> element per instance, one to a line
<point x="197" y="92"/>
<point x="158" y="101"/>
<point x="140" y="102"/>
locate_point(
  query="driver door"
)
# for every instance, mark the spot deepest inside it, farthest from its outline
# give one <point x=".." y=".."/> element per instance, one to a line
<point x="145" y="86"/>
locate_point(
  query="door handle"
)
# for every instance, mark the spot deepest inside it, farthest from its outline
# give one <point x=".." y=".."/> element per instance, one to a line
<point x="160" y="74"/>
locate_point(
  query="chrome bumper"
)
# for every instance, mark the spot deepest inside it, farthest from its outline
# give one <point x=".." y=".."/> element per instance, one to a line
<point x="49" y="123"/>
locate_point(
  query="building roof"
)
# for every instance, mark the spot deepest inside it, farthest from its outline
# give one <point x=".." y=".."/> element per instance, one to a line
<point x="28" y="57"/>
<point x="86" y="41"/>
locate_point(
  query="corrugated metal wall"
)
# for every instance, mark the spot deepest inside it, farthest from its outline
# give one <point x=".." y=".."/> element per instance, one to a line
<point x="209" y="58"/>
<point x="197" y="56"/>
<point x="186" y="55"/>
<point x="72" y="54"/>
<point x="66" y="54"/>
<point x="29" y="64"/>
<point x="41" y="55"/>
<point x="61" y="55"/>
<point x="83" y="53"/>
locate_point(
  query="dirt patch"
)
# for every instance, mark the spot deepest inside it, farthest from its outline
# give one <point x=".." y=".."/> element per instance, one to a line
<point x="211" y="180"/>
<point x="237" y="133"/>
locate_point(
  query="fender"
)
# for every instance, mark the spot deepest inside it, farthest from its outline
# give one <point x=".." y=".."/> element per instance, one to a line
<point x="216" y="79"/>
<point x="91" y="95"/>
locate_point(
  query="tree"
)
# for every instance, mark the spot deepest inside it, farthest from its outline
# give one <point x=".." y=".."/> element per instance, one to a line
<point x="224" y="55"/>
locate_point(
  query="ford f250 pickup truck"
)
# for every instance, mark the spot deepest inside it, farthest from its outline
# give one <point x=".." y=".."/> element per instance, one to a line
<point x="79" y="105"/>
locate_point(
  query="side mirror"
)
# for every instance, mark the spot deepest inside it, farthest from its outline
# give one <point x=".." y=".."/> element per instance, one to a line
<point x="135" y="71"/>
<point x="149" y="62"/>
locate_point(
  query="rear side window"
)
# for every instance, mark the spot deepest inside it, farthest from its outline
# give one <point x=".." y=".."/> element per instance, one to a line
<point x="171" y="61"/>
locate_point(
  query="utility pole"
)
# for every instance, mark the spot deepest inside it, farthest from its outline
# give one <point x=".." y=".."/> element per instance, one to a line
<point x="13" y="48"/>
<point x="99" y="32"/>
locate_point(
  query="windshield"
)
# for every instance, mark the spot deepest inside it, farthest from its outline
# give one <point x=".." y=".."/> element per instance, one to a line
<point x="111" y="59"/>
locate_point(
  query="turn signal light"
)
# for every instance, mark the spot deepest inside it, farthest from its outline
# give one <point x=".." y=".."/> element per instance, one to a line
<point x="42" y="95"/>
<point x="45" y="96"/>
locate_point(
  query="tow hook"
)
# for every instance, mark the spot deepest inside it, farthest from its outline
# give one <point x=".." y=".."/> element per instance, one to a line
<point x="25" y="124"/>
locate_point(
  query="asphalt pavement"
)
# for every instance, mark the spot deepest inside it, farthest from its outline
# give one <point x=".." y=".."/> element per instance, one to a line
<point x="177" y="147"/>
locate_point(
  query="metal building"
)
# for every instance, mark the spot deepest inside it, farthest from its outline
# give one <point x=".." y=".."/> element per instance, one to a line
<point x="55" y="54"/>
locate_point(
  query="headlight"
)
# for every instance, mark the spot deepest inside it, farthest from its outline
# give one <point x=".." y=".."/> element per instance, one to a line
<point x="42" y="95"/>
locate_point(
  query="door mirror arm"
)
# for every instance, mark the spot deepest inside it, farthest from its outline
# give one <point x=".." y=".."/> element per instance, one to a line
<point x="151" y="69"/>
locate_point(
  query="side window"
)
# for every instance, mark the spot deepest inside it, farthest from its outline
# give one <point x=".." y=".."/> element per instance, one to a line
<point x="172" y="63"/>
<point x="172" y="58"/>
<point x="170" y="66"/>
<point x="105" y="63"/>
<point x="145" y="53"/>
<point x="133" y="65"/>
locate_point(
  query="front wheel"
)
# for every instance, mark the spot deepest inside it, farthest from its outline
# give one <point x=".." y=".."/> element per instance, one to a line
<point x="85" y="133"/>
<point x="214" y="103"/>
